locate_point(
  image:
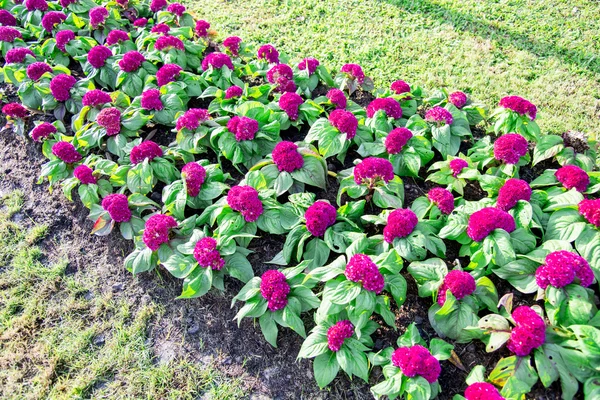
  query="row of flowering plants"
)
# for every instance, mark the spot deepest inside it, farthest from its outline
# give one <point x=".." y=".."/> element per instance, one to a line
<point x="112" y="92"/>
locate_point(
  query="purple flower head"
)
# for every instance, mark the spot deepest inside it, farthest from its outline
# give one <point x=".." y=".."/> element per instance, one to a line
<point x="7" y="19"/>
<point x="459" y="283"/>
<point x="151" y="100"/>
<point x="283" y="76"/>
<point x="511" y="192"/>
<point x="122" y="3"/>
<point x="8" y="34"/>
<point x="192" y="119"/>
<point x="519" y="105"/>
<point x="338" y="333"/>
<point x="390" y="106"/>
<point x="459" y="99"/>
<point x="84" y="174"/>
<point x="42" y="131"/>
<point x="571" y="176"/>
<point x="160" y="28"/>
<point x="207" y="255"/>
<point x="202" y="28"/>
<point x="140" y="22"/>
<point x="400" y="223"/>
<point x="67" y="3"/>
<point x="61" y="86"/>
<point x="397" y="139"/>
<point x="110" y="119"/>
<point x="561" y="268"/>
<point x="400" y="87"/>
<point x="176" y="8"/>
<point x="63" y="38"/>
<point x="66" y="152"/>
<point x="417" y="360"/>
<point x="15" y="110"/>
<point x="37" y="69"/>
<point x="290" y="102"/>
<point x="486" y="220"/>
<point x="371" y="170"/>
<point x="286" y="157"/>
<point x="117" y="36"/>
<point x="217" y="61"/>
<point x="320" y="216"/>
<point x="157" y="5"/>
<point x="457" y="165"/>
<point x="362" y="269"/>
<point x="344" y="121"/>
<point x="167" y="73"/>
<point x="131" y="61"/>
<point x="482" y="391"/>
<point x="51" y="19"/>
<point x="310" y="64"/>
<point x="354" y="71"/>
<point x="166" y="43"/>
<point x="268" y="53"/>
<point x="17" y="55"/>
<point x="33" y="5"/>
<point x="233" y="91"/>
<point x="274" y="288"/>
<point x="232" y="44"/>
<point x="145" y="150"/>
<point x="438" y="115"/>
<point x="529" y="332"/>
<point x="243" y="128"/>
<point x="443" y="199"/>
<point x="337" y="98"/>
<point x="245" y="200"/>
<point x="156" y="231"/>
<point x="194" y="175"/>
<point x="98" y="55"/>
<point x="117" y="206"/>
<point x="98" y="16"/>
<point x="510" y="148"/>
<point x="95" y="98"/>
<point x="590" y="209"/>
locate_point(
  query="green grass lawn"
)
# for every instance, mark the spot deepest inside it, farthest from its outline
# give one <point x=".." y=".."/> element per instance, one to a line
<point x="547" y="52"/>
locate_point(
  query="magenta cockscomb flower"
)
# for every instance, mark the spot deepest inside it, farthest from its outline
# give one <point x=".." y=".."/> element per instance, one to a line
<point x="243" y="128"/>
<point x="167" y="73"/>
<point x="117" y="36"/>
<point x="66" y="152"/>
<point x="275" y="289"/>
<point x="310" y="64"/>
<point x="486" y="220"/>
<point x="167" y="43"/>
<point x="400" y="87"/>
<point x="7" y="19"/>
<point x="438" y="114"/>
<point x="245" y="200"/>
<point x="344" y="121"/>
<point x="362" y="269"/>
<point x="42" y="131"/>
<point x="561" y="268"/>
<point x="123" y="3"/>
<point x="371" y="170"/>
<point x="151" y="100"/>
<point x="145" y="150"/>
<point x="140" y="22"/>
<point x="511" y="192"/>
<point x="15" y="110"/>
<point x="63" y="38"/>
<point x="397" y="139"/>
<point x="459" y="283"/>
<point x="207" y="255"/>
<point x="156" y="231"/>
<point x="232" y="44"/>
<point x="194" y="175"/>
<point x="290" y="102"/>
<point x="400" y="223"/>
<point x="457" y="165"/>
<point x="217" y="61"/>
<point x="282" y="76"/>
<point x="98" y="16"/>
<point x="233" y="91"/>
<point x="17" y="55"/>
<point x="590" y="209"/>
<point x="482" y="391"/>
<point x="95" y="98"/>
<point x="338" y="333"/>
<point x="37" y="69"/>
<point x="337" y="98"/>
<point x="202" y="28"/>
<point x="320" y="216"/>
<point x="176" y="8"/>
<point x="117" y="206"/>
<point x="459" y="99"/>
<point x="160" y="28"/>
<point x="131" y="61"/>
<point x="510" y="148"/>
<point x="529" y="332"/>
<point x="51" y="19"/>
<point x="61" y="86"/>
<point x="85" y="174"/>
<point x="8" y="34"/>
<point x="110" y="119"/>
<point x="98" y="55"/>
<point x="417" y="360"/>
<point x="157" y="5"/>
<point x="390" y="106"/>
<point x="192" y="119"/>
<point x="354" y="71"/>
<point x="442" y="198"/>
<point x="571" y="176"/>
<point x="268" y="53"/>
<point x="67" y="3"/>
<point x="519" y="105"/>
<point x="286" y="157"/>
<point x="33" y="5"/>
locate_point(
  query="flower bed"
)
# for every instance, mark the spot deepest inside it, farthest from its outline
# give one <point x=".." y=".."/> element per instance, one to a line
<point x="193" y="149"/>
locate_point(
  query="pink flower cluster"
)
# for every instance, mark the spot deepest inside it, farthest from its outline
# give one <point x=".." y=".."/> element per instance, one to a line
<point x="140" y="22"/>
<point x="98" y="16"/>
<point x="243" y="128"/>
<point x="15" y="110"/>
<point x="372" y="169"/>
<point x="400" y="87"/>
<point x="116" y="36"/>
<point x="519" y="105"/>
<point x="289" y="102"/>
<point x="486" y="220"/>
<point x="510" y="148"/>
<point x="202" y="28"/>
<point x="156" y="231"/>
<point x="33" y="5"/>
<point x="282" y="76"/>
<point x="310" y="64"/>
<point x="95" y="98"/>
<point x="458" y="99"/>
<point x="37" y="69"/>
<point x="160" y="28"/>
<point x="8" y="34"/>
<point x="571" y="176"/>
<point x="397" y="139"/>
<point x="7" y="19"/>
<point x="166" y="43"/>
<point x="438" y="115"/>
<point x="98" y="55"/>
<point x="63" y="38"/>
<point x="268" y="53"/>
<point x="417" y="360"/>
<point x="84" y="174"/>
<point x="459" y="283"/>
<point x="51" y="19"/>
<point x="337" y="98"/>
<point x="66" y="152"/>
<point x="389" y="105"/>
<point x="344" y="121"/>
<point x="42" y="131"/>
<point x="320" y="216"/>
<point x="362" y="269"/>
<point x="17" y="55"/>
<point x="194" y="175"/>
<point x="245" y="200"/>
<point x="145" y="150"/>
<point x="561" y="268"/>
<point x="110" y="119"/>
<point x="590" y="209"/>
<point x="167" y="73"/>
<point x="176" y="8"/>
<point x="482" y="391"/>
<point x="233" y="91"/>
<point x="286" y="157"/>
<point x="529" y="332"/>
<point x="157" y="5"/>
<point x="442" y="198"/>
<point x="338" y="333"/>
<point x="217" y="61"/>
<point x="151" y="100"/>
<point x="117" y="206"/>
<point x="207" y="255"/>
<point x="457" y="165"/>
<point x="192" y="119"/>
<point x="232" y="43"/>
<point x="511" y="192"/>
<point x="275" y="289"/>
<point x="354" y="71"/>
<point x="400" y="223"/>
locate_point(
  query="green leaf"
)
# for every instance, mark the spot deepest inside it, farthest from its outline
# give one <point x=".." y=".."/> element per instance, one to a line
<point x="515" y="374"/>
<point x="197" y="283"/>
<point x="325" y="368"/>
<point x="293" y="321"/>
<point x="396" y="285"/>
<point x="239" y="267"/>
<point x="141" y="261"/>
<point x="565" y="225"/>
<point x="314" y="345"/>
<point x="440" y="349"/>
<point x="547" y="147"/>
<point x="268" y="328"/>
<point x="344" y="292"/>
<point x="429" y="275"/>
